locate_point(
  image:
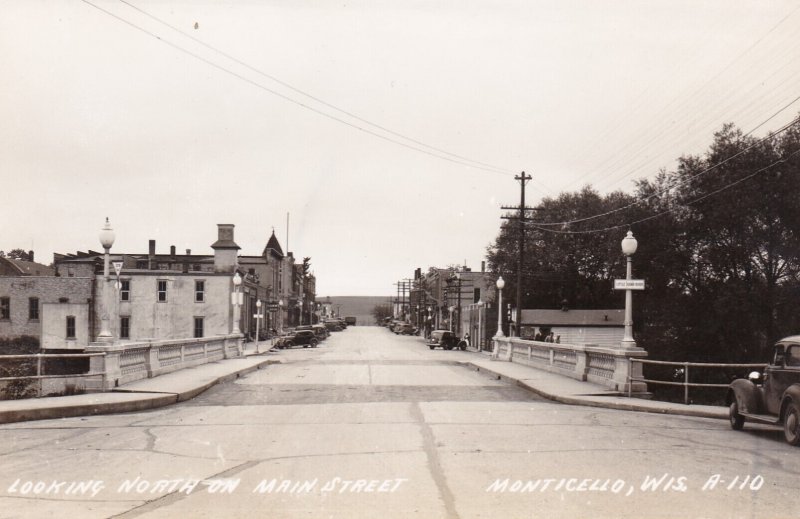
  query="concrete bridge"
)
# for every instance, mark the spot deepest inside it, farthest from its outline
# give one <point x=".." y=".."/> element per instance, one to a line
<point x="375" y="425"/>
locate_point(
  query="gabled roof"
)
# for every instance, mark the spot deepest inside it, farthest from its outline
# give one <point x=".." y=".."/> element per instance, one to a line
<point x="28" y="268"/>
<point x="274" y="245"/>
<point x="573" y="317"/>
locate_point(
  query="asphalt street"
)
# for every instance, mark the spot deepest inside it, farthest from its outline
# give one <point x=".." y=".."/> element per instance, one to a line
<point x="375" y="425"/>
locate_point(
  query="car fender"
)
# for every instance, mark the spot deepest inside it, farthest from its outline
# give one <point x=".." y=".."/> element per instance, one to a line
<point x="792" y="394"/>
<point x="747" y="396"/>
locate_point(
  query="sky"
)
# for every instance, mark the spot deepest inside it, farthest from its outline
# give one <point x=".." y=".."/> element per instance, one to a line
<point x="389" y="132"/>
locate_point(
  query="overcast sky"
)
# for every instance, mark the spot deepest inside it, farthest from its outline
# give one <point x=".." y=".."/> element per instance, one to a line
<point x="116" y="114"/>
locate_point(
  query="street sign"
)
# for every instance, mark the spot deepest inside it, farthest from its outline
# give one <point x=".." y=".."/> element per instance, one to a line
<point x="258" y="316"/>
<point x="271" y="307"/>
<point x="629" y="284"/>
<point x="117" y="266"/>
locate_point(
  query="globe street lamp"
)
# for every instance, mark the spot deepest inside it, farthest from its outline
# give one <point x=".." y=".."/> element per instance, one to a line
<point x="280" y="316"/>
<point x="480" y="325"/>
<point x="258" y="320"/>
<point x="236" y="301"/>
<point x="500" y="285"/>
<point x="106" y="240"/>
<point x="629" y="245"/>
<point x="450" y="315"/>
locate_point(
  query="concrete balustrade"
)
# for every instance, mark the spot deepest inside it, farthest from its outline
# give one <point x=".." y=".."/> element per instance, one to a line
<point x="609" y="367"/>
<point x="127" y="362"/>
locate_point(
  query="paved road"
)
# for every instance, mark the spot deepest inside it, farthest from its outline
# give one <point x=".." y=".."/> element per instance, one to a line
<point x="374" y="425"/>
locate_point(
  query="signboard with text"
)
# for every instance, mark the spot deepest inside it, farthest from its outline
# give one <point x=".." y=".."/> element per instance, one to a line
<point x="629" y="284"/>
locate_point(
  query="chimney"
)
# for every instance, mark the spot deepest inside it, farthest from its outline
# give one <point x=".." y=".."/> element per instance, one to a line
<point x="483" y="267"/>
<point x="172" y="250"/>
<point x="225" y="249"/>
<point x="188" y="252"/>
<point x="151" y="255"/>
<point x="30" y="254"/>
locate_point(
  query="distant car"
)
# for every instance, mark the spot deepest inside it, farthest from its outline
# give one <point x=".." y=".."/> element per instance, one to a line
<point x="777" y="400"/>
<point x="304" y="338"/>
<point x="446" y="339"/>
<point x="350" y="321"/>
<point x="405" y="329"/>
<point x="333" y="326"/>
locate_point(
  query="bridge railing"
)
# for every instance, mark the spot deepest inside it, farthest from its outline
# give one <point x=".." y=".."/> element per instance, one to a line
<point x="684" y="370"/>
<point x="122" y="363"/>
<point x="609" y="367"/>
<point x="42" y="383"/>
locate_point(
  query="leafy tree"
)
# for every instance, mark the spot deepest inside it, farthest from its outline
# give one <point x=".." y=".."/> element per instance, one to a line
<point x="719" y="247"/>
<point x="381" y="312"/>
<point x="19" y="254"/>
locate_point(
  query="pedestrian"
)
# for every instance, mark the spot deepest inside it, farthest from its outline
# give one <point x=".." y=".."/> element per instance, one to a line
<point x="558" y="339"/>
<point x="538" y="336"/>
<point x="551" y="338"/>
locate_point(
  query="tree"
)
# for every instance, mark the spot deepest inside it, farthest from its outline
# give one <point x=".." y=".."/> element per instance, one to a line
<point x="719" y="247"/>
<point x="381" y="312"/>
<point x="19" y="254"/>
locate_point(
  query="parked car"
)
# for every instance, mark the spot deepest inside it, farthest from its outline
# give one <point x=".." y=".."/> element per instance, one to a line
<point x="350" y="321"/>
<point x="321" y="331"/>
<point x="333" y="326"/>
<point x="304" y="338"/>
<point x="405" y="329"/>
<point x="776" y="400"/>
<point x="446" y="339"/>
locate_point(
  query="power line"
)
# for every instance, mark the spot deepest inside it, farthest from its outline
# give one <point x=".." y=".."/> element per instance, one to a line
<point x="605" y="166"/>
<point x="677" y="184"/>
<point x="310" y="96"/>
<point x="662" y="213"/>
<point x="291" y="100"/>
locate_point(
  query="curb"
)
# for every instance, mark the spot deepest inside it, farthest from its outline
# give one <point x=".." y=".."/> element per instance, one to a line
<point x="621" y="406"/>
<point x="139" y="401"/>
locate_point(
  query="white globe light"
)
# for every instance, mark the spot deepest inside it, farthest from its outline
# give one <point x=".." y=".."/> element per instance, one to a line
<point x="237" y="279"/>
<point x="107" y="235"/>
<point x="629" y="244"/>
<point x="500" y="283"/>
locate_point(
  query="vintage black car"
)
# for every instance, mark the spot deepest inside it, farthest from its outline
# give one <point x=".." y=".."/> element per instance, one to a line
<point x="776" y="400"/>
<point x="446" y="339"/>
<point x="304" y="338"/>
<point x="405" y="329"/>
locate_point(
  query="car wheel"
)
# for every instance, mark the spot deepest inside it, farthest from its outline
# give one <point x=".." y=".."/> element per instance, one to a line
<point x="431" y="347"/>
<point x="737" y="420"/>
<point x="462" y="346"/>
<point x="313" y="344"/>
<point x="791" y="424"/>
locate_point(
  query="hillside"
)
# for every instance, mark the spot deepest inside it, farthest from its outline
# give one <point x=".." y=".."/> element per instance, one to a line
<point x="359" y="307"/>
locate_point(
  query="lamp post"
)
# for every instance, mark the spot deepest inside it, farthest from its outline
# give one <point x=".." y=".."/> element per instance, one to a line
<point x="499" y="334"/>
<point x="236" y="301"/>
<point x="480" y="325"/>
<point x="458" y="322"/>
<point x="450" y="315"/>
<point x="629" y="245"/>
<point x="106" y="240"/>
<point x="258" y="320"/>
<point x="280" y="316"/>
<point x="500" y="285"/>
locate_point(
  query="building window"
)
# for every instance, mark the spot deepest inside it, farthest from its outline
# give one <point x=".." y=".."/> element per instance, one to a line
<point x="70" y="327"/>
<point x="199" y="291"/>
<point x="125" y="327"/>
<point x="5" y="308"/>
<point x="198" y="326"/>
<point x="141" y="264"/>
<point x="162" y="291"/>
<point x="476" y="295"/>
<point x="33" y="308"/>
<point x="163" y="266"/>
<point x="125" y="290"/>
<point x="196" y="267"/>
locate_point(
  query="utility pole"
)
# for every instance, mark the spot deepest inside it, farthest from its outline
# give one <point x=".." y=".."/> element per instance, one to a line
<point x="523" y="179"/>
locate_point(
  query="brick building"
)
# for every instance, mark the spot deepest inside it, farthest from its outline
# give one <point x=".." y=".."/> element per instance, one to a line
<point x="153" y="296"/>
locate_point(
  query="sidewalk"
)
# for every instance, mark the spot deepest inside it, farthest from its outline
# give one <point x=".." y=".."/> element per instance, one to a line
<point x="149" y="393"/>
<point x="570" y="391"/>
<point x="182" y="385"/>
